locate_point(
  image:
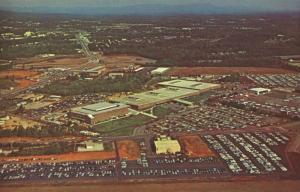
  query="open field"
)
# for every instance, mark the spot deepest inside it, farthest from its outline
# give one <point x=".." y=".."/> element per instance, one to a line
<point x="17" y="121"/>
<point x="122" y="126"/>
<point x="123" y="60"/>
<point x="7" y="83"/>
<point x="25" y="83"/>
<point x="128" y="149"/>
<point x="21" y="78"/>
<point x="194" y="71"/>
<point x="34" y="140"/>
<point x="83" y="156"/>
<point x="60" y="62"/>
<point x="76" y="62"/>
<point x="260" y="186"/>
<point x="195" y="147"/>
<point x="18" y="74"/>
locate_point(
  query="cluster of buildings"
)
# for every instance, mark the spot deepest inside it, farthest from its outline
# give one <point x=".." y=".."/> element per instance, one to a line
<point x="171" y="90"/>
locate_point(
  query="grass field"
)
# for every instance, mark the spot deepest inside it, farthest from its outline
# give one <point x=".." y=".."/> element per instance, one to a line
<point x="198" y="99"/>
<point x="162" y="110"/>
<point x="121" y="127"/>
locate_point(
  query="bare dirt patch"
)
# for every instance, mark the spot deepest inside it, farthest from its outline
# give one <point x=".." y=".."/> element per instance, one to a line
<point x="84" y="156"/>
<point x="18" y="74"/>
<point x="23" y="78"/>
<point x="128" y="149"/>
<point x="25" y="83"/>
<point x="43" y="140"/>
<point x="195" y="147"/>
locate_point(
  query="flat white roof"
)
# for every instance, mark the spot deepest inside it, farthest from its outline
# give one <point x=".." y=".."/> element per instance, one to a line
<point x="98" y="108"/>
<point x="189" y="84"/>
<point x="160" y="70"/>
<point x="259" y="89"/>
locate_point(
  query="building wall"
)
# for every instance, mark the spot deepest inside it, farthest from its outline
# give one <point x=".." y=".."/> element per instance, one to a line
<point x="80" y="117"/>
<point x="103" y="116"/>
<point x="109" y="114"/>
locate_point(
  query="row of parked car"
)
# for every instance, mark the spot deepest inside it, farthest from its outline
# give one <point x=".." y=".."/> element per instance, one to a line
<point x="250" y="153"/>
<point x="208" y="118"/>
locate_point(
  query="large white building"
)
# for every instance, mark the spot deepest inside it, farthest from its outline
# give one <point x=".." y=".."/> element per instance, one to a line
<point x="166" y="145"/>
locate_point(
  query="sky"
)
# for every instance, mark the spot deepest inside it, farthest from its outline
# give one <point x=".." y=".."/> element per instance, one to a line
<point x="269" y="5"/>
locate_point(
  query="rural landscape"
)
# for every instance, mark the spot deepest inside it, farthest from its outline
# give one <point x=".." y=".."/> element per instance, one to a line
<point x="162" y="102"/>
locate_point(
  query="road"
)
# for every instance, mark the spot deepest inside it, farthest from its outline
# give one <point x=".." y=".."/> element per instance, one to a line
<point x="237" y="186"/>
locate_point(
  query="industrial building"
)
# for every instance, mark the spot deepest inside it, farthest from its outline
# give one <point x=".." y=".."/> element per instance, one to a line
<point x="149" y="99"/>
<point x="95" y="113"/>
<point x="188" y="84"/>
<point x="173" y="90"/>
<point x="166" y="145"/>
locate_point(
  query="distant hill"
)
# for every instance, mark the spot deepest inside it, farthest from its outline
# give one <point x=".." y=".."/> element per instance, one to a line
<point x="159" y="9"/>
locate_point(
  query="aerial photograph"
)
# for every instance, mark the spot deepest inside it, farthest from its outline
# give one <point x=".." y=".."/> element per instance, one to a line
<point x="149" y="95"/>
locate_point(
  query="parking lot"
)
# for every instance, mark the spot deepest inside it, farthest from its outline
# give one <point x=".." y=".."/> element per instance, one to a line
<point x="63" y="105"/>
<point x="250" y="153"/>
<point x="276" y="80"/>
<point x="209" y="118"/>
<point x="273" y="103"/>
<point x="242" y="154"/>
<point x="52" y="171"/>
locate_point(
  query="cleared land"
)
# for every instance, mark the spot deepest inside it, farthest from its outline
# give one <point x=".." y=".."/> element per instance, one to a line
<point x="194" y="71"/>
<point x="34" y="140"/>
<point x="84" y="156"/>
<point x="25" y="83"/>
<point x="123" y="60"/>
<point x="77" y="62"/>
<point x="21" y="78"/>
<point x="18" y="74"/>
<point x="68" y="62"/>
<point x="195" y="147"/>
<point x="17" y="121"/>
<point x="128" y="149"/>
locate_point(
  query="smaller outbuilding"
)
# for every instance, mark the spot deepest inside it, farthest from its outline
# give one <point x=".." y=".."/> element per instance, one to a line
<point x="260" y="91"/>
<point x="89" y="146"/>
<point x="160" y="70"/>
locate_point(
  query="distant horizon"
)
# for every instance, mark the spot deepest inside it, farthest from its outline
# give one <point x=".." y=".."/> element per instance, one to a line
<point x="154" y="7"/>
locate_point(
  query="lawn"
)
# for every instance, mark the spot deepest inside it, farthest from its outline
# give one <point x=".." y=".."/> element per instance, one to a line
<point x="198" y="99"/>
<point x="121" y="127"/>
<point x="162" y="110"/>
